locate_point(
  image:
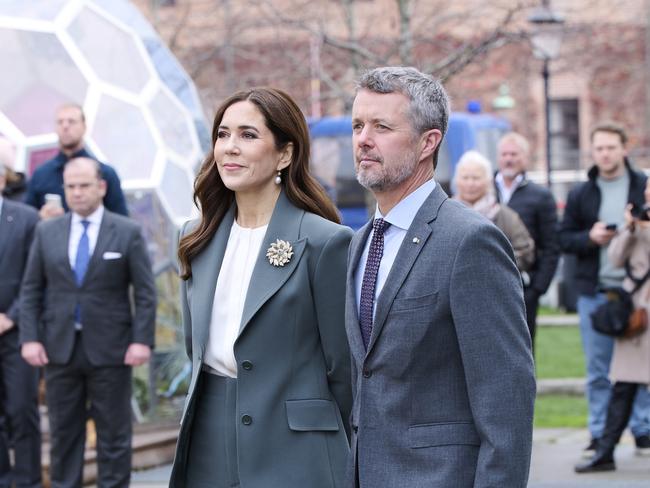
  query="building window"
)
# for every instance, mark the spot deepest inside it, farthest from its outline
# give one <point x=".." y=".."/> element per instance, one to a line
<point x="565" y="134"/>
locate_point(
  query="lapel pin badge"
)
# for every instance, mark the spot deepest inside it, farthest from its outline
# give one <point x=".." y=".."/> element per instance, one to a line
<point x="279" y="253"/>
<point x="416" y="240"/>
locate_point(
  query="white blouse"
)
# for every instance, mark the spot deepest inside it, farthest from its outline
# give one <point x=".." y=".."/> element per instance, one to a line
<point x="230" y="294"/>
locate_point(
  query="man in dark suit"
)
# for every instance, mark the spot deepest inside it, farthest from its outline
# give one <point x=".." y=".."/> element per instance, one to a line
<point x="536" y="207"/>
<point x="76" y="320"/>
<point x="48" y="178"/>
<point x="18" y="380"/>
<point x="443" y="379"/>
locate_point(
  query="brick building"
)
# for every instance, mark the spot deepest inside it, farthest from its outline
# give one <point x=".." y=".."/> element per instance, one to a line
<point x="314" y="49"/>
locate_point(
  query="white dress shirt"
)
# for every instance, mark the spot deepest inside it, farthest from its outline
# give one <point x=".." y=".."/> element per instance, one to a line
<point x="506" y="192"/>
<point x="77" y="229"/>
<point x="229" y="297"/>
<point x="400" y="218"/>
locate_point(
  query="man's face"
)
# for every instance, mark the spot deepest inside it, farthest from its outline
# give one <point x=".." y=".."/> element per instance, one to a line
<point x="608" y="152"/>
<point x="512" y="159"/>
<point x="70" y="128"/>
<point x="383" y="140"/>
<point x="84" y="190"/>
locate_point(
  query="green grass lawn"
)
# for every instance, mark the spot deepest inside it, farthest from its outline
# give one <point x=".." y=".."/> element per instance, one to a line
<point x="560" y="411"/>
<point x="559" y="354"/>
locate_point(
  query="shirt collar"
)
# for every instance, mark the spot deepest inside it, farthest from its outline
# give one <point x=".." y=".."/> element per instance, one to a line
<point x="402" y="214"/>
<point x="93" y="218"/>
<point x="516" y="182"/>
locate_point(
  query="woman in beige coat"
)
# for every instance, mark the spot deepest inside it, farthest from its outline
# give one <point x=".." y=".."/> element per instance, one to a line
<point x="473" y="182"/>
<point x="630" y="366"/>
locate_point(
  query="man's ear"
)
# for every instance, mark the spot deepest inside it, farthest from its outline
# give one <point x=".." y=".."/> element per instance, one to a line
<point x="429" y="142"/>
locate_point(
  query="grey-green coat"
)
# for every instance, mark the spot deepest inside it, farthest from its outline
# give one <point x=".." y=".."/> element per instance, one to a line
<point x="292" y="331"/>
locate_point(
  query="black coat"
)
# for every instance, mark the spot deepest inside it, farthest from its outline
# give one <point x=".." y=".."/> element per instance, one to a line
<point x="581" y="213"/>
<point x="536" y="208"/>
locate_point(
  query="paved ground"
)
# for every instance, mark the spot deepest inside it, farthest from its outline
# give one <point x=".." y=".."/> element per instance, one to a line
<point x="554" y="453"/>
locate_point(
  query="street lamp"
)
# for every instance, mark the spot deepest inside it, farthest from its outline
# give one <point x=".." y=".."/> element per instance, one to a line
<point x="546" y="37"/>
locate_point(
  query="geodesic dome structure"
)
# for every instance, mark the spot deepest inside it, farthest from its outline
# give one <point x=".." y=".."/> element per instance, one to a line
<point x="142" y="111"/>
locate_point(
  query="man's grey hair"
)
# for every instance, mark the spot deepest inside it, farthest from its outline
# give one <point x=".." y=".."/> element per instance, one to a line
<point x="430" y="105"/>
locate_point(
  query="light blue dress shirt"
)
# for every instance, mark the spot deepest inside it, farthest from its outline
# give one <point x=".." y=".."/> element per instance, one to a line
<point x="400" y="218"/>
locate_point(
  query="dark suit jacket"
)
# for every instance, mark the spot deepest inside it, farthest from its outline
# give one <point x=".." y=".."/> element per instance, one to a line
<point x="17" y="223"/>
<point x="296" y="386"/>
<point x="50" y="293"/>
<point x="444" y="395"/>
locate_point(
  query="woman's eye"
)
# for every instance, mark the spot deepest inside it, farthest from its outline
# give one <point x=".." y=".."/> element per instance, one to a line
<point x="248" y="135"/>
<point x="222" y="134"/>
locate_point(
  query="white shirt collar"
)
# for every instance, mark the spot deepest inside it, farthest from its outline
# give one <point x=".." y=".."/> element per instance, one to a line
<point x="94" y="218"/>
<point x="402" y="214"/>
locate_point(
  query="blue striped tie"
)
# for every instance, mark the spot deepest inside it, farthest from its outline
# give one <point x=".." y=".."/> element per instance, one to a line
<point x="81" y="263"/>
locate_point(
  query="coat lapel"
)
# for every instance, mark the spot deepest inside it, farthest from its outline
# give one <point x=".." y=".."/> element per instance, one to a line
<point x="421" y="229"/>
<point x="205" y="271"/>
<point x="352" y="311"/>
<point x="267" y="279"/>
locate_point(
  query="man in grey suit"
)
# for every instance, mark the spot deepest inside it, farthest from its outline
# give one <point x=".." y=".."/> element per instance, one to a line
<point x="442" y="378"/>
<point x="18" y="380"/>
<point x="76" y="320"/>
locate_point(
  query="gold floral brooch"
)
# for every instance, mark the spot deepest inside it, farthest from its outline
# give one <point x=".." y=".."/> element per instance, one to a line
<point x="279" y="253"/>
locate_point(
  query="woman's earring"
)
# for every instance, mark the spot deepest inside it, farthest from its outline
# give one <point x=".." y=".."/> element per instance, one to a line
<point x="278" y="179"/>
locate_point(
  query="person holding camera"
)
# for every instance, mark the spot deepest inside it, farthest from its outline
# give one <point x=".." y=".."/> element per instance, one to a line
<point x="630" y="367"/>
<point x="594" y="211"/>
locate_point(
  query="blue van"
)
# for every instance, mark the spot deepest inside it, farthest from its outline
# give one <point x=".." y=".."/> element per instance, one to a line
<point x="333" y="163"/>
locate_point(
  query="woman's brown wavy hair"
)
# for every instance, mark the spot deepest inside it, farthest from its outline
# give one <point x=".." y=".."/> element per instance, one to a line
<point x="287" y="123"/>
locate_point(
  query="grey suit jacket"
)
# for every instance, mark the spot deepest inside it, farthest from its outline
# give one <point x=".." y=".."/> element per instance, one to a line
<point x="296" y="385"/>
<point x="50" y="293"/>
<point x="443" y="397"/>
<point x="17" y="223"/>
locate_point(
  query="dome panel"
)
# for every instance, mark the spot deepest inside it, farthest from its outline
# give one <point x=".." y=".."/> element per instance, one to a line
<point x="122" y="133"/>
<point x="43" y="76"/>
<point x="110" y="50"/>
<point x="33" y="9"/>
<point x="176" y="187"/>
<point x="174" y="124"/>
<point x="157" y="229"/>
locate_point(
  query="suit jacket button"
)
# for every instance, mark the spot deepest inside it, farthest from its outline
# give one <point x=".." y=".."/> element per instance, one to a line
<point x="247" y="365"/>
<point x="367" y="373"/>
<point x="246" y="419"/>
<point x="355" y="428"/>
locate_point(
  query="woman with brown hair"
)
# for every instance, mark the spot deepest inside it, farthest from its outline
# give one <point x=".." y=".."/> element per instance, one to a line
<point x="263" y="296"/>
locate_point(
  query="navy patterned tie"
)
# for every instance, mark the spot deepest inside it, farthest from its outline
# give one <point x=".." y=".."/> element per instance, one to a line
<point x="367" y="300"/>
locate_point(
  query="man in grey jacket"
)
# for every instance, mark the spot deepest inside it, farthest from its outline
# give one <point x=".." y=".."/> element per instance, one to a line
<point x="76" y="320"/>
<point x="442" y="378"/>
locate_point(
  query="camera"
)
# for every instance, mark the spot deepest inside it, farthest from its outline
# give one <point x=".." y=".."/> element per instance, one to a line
<point x="641" y="213"/>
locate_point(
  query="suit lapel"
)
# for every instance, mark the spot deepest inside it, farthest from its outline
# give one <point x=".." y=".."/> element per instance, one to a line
<point x="205" y="271"/>
<point x="352" y="311"/>
<point x="105" y="236"/>
<point x="7" y="225"/>
<point x="61" y="243"/>
<point x="420" y="230"/>
<point x="267" y="279"/>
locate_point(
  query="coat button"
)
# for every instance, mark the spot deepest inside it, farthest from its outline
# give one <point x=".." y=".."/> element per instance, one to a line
<point x="367" y="373"/>
<point x="355" y="428"/>
<point x="246" y="419"/>
<point x="247" y="365"/>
